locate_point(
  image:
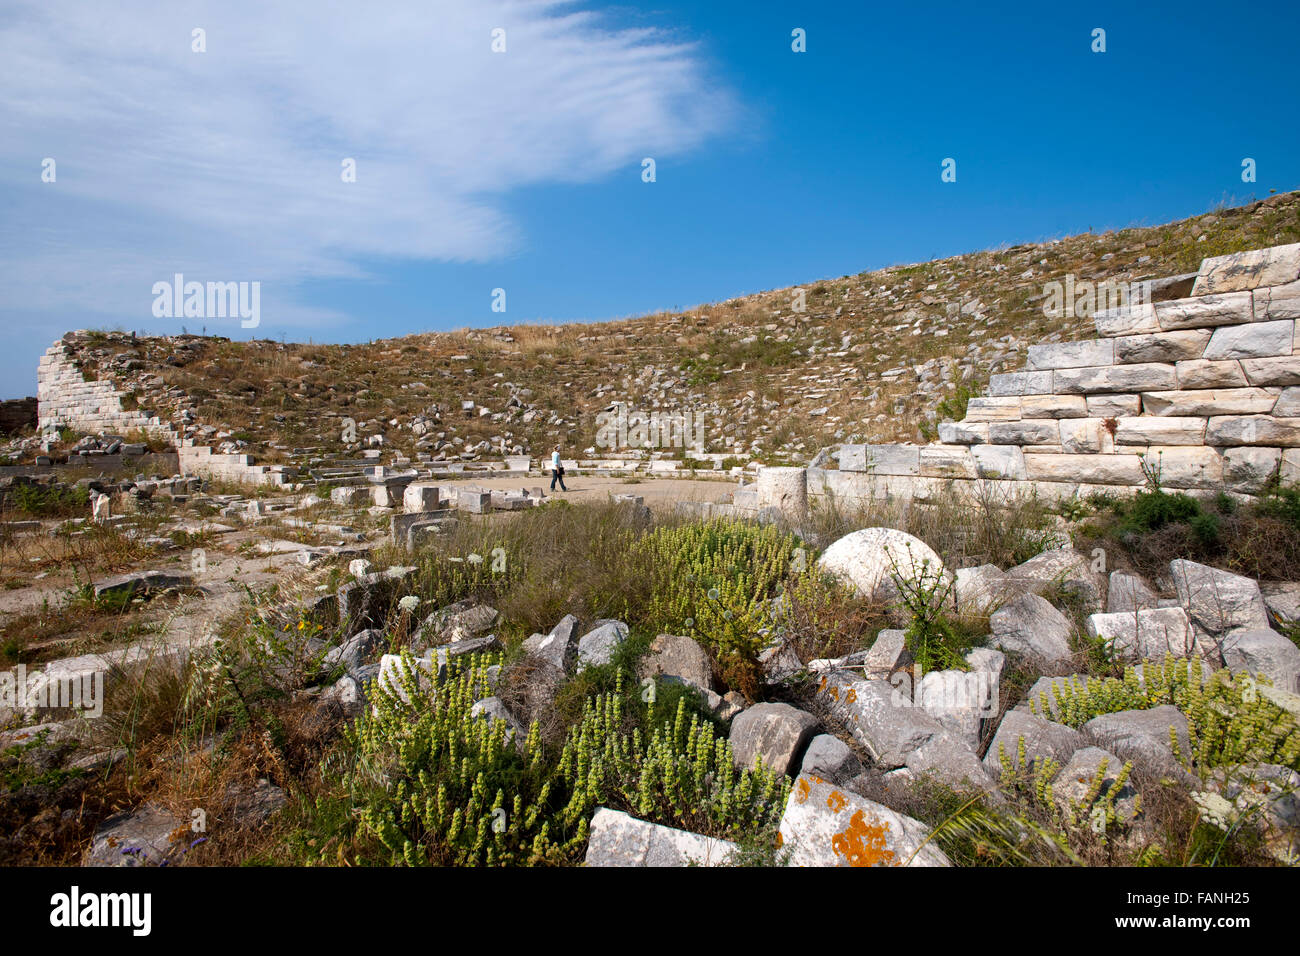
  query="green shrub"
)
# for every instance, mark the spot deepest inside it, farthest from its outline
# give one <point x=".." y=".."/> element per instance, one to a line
<point x="1230" y="718"/>
<point x="716" y="581"/>
<point x="435" y="785"/>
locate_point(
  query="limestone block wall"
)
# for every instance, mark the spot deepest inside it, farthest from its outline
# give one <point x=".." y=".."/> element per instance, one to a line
<point x="66" y="399"/>
<point x="1205" y="388"/>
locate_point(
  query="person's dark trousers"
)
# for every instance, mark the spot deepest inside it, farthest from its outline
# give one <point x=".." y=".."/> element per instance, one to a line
<point x="556" y="476"/>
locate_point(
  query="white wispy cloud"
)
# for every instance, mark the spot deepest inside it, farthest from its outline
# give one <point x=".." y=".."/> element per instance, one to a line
<point x="226" y="164"/>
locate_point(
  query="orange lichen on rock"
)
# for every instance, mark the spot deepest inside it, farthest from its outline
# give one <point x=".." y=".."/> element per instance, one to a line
<point x="863" y="843"/>
<point x="836" y="801"/>
<point x="802" y="789"/>
<point x="851" y="696"/>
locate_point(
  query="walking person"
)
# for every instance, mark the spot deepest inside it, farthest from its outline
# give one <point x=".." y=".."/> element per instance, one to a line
<point x="557" y="470"/>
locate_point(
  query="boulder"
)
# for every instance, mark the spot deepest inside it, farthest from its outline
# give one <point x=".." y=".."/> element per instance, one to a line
<point x="773" y="733"/>
<point x="492" y="708"/>
<point x="1151" y="634"/>
<point x="983" y="589"/>
<point x="1283" y="600"/>
<point x="880" y="718"/>
<point x="830" y="758"/>
<point x="1072" y="784"/>
<point x="1032" y="627"/>
<point x="672" y="655"/>
<point x="1042" y="739"/>
<point x="148" y="836"/>
<point x="874" y="560"/>
<point x="1270" y="794"/>
<point x="1128" y="592"/>
<point x="951" y="760"/>
<point x="1069" y="570"/>
<point x="617" y="839"/>
<point x="825" y="825"/>
<point x="1217" y="600"/>
<point x="141" y="583"/>
<point x="959" y="700"/>
<point x="1143" y="736"/>
<point x="558" y="648"/>
<point x="356" y="651"/>
<point x="1043" y="697"/>
<point x="598" y="645"/>
<point x="1263" y="651"/>
<point x="457" y="622"/>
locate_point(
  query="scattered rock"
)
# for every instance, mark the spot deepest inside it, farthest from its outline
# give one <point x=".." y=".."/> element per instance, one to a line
<point x="1032" y="627"/>
<point x="773" y="733"/>
<point x="621" y="840"/>
<point x="825" y="825"/>
<point x="672" y="655"/>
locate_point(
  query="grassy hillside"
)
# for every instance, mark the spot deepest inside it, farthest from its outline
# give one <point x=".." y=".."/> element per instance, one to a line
<point x="876" y="356"/>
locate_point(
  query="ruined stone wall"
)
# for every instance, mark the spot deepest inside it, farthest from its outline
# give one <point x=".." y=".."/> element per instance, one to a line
<point x="1205" y="388"/>
<point x="66" y="400"/>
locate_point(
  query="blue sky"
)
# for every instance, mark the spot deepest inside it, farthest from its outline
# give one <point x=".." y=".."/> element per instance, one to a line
<point x="522" y="170"/>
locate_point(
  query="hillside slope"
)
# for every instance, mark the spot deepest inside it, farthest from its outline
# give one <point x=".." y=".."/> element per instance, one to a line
<point x="870" y="357"/>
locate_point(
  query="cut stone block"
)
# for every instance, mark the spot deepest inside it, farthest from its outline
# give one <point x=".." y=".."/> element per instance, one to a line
<point x="1089" y="469"/>
<point x="773" y="733"/>
<point x="893" y="459"/>
<point x="1035" y="432"/>
<point x="1128" y="320"/>
<point x="1187" y="467"/>
<point x="1249" y="470"/>
<point x="618" y="839"/>
<point x="420" y="496"/>
<point x="1144" y="377"/>
<point x="1152" y="634"/>
<point x="1275" y="265"/>
<point x="938" y="461"/>
<point x="1255" y="340"/>
<point x="961" y="433"/>
<point x="1284" y="370"/>
<point x="1253" y="430"/>
<point x="1082" y="436"/>
<point x="474" y="502"/>
<point x="1218" y="600"/>
<point x="1053" y="406"/>
<point x="1162" y="346"/>
<point x="1143" y="736"/>
<point x="1287" y="404"/>
<point x="1114" y="406"/>
<point x="824" y="825"/>
<point x="1072" y="354"/>
<point x="1205" y="311"/>
<point x="1277" y="302"/>
<point x="1160" y="431"/>
<point x="1220" y="401"/>
<point x="1033" y="627"/>
<point x="879" y="717"/>
<point x="1264" y="651"/>
<point x="1128" y="592"/>
<point x="1020" y="383"/>
<point x="993" y="410"/>
<point x="1198" y="373"/>
<point x="1042" y="739"/>
<point x="999" y="461"/>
